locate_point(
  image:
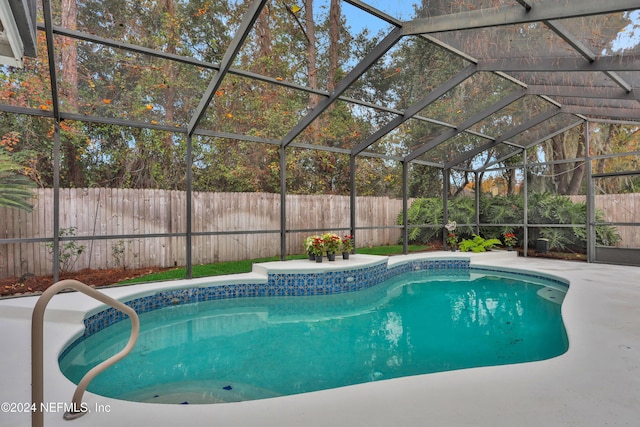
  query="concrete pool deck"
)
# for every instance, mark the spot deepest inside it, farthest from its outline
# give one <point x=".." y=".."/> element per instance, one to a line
<point x="595" y="383"/>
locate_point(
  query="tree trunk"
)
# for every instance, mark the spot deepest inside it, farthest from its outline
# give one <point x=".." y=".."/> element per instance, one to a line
<point x="605" y="148"/>
<point x="334" y="43"/>
<point x="170" y="76"/>
<point x="560" y="169"/>
<point x="69" y="54"/>
<point x="263" y="29"/>
<point x="312" y="64"/>
<point x="578" y="171"/>
<point x="312" y="52"/>
<point x="510" y="175"/>
<point x="567" y="176"/>
<point x="69" y="93"/>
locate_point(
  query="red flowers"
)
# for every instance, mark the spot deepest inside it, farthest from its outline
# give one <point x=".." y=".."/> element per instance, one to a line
<point x="510" y="239"/>
<point x="347" y="243"/>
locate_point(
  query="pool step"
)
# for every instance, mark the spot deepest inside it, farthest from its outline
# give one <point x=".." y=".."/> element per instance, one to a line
<point x="551" y="294"/>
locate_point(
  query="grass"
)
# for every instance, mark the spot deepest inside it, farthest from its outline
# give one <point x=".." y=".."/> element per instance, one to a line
<point x="391" y="250"/>
<point x="245" y="266"/>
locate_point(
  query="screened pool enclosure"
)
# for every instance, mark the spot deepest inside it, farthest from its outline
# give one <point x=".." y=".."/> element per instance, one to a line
<point x="176" y="133"/>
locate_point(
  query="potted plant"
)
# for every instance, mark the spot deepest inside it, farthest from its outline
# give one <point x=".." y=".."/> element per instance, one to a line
<point x="331" y="245"/>
<point x="308" y="246"/>
<point x="347" y="246"/>
<point x="318" y="247"/>
<point x="478" y="244"/>
<point x="452" y="239"/>
<point x="510" y="240"/>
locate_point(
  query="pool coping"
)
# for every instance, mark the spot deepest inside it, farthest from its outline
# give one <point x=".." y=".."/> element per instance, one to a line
<point x="595" y="382"/>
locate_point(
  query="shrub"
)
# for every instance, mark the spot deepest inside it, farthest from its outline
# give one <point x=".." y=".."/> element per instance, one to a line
<point x="544" y="208"/>
<point x="478" y="244"/>
<point x="68" y="251"/>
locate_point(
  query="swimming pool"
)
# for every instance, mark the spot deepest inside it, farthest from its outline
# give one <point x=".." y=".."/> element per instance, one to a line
<point x="231" y="349"/>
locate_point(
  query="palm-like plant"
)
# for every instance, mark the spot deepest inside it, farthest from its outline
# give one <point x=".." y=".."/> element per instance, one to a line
<point x="462" y="210"/>
<point x="424" y="211"/>
<point x="500" y="210"/>
<point x="544" y="208"/>
<point x="15" y="189"/>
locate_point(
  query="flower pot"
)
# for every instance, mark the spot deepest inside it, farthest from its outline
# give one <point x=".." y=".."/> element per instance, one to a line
<point x="542" y="245"/>
<point x="345" y="255"/>
<point x="331" y="256"/>
<point x="312" y="256"/>
<point x="318" y="258"/>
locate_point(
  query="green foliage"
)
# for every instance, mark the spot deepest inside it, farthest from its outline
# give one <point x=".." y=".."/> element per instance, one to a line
<point x="68" y="251"/>
<point x="547" y="208"/>
<point x="99" y="81"/>
<point x="544" y="208"/>
<point x="559" y="239"/>
<point x="606" y="235"/>
<point x="429" y="211"/>
<point x="15" y="188"/>
<point x="421" y="212"/>
<point x="500" y="210"/>
<point x="478" y="244"/>
<point x="462" y="210"/>
<point x="426" y="181"/>
<point x="118" y="252"/>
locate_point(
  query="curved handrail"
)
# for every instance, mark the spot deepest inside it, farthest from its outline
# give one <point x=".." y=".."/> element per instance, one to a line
<point x="37" y="370"/>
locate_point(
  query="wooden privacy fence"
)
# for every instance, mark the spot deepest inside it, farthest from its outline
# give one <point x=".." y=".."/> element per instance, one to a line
<point x="90" y="215"/>
<point x="622" y="208"/>
<point x="93" y="214"/>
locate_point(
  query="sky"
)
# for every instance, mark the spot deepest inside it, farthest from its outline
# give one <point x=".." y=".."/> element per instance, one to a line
<point x="629" y="37"/>
<point x="358" y="20"/>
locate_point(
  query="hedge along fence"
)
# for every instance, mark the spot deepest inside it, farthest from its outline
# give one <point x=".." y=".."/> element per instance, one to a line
<point x="110" y="212"/>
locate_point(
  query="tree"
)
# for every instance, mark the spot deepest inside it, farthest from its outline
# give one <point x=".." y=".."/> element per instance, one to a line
<point x="72" y="141"/>
<point x="610" y="139"/>
<point x="335" y="24"/>
<point x="567" y="176"/>
<point x="15" y="188"/>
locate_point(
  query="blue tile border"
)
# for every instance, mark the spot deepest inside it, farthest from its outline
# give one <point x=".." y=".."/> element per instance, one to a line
<point x="278" y="284"/>
<point x="288" y="284"/>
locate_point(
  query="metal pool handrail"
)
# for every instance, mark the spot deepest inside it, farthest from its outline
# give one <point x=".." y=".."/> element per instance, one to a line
<point x="37" y="369"/>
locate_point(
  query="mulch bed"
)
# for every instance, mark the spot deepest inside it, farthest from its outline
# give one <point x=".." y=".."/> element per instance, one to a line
<point x="567" y="256"/>
<point x="30" y="284"/>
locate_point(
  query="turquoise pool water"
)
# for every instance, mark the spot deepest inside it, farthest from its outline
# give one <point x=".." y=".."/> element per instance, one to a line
<point x="260" y="347"/>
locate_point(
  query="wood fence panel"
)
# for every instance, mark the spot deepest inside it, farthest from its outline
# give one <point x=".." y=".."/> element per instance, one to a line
<point x="81" y="218"/>
<point x="164" y="213"/>
<point x="180" y="226"/>
<point x="620" y="208"/>
<point x="6" y="250"/>
<point x="30" y="251"/>
<point x="44" y="210"/>
<point x="101" y="211"/>
<point x="4" y="255"/>
<point x="14" y="252"/>
<point x="132" y="246"/>
<point x="197" y="209"/>
<point x="150" y="251"/>
<point x="104" y="211"/>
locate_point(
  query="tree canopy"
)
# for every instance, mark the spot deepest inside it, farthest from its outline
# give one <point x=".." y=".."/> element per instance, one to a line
<point x="130" y="76"/>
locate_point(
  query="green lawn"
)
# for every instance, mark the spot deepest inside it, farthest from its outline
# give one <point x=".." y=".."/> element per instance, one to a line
<point x="244" y="266"/>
